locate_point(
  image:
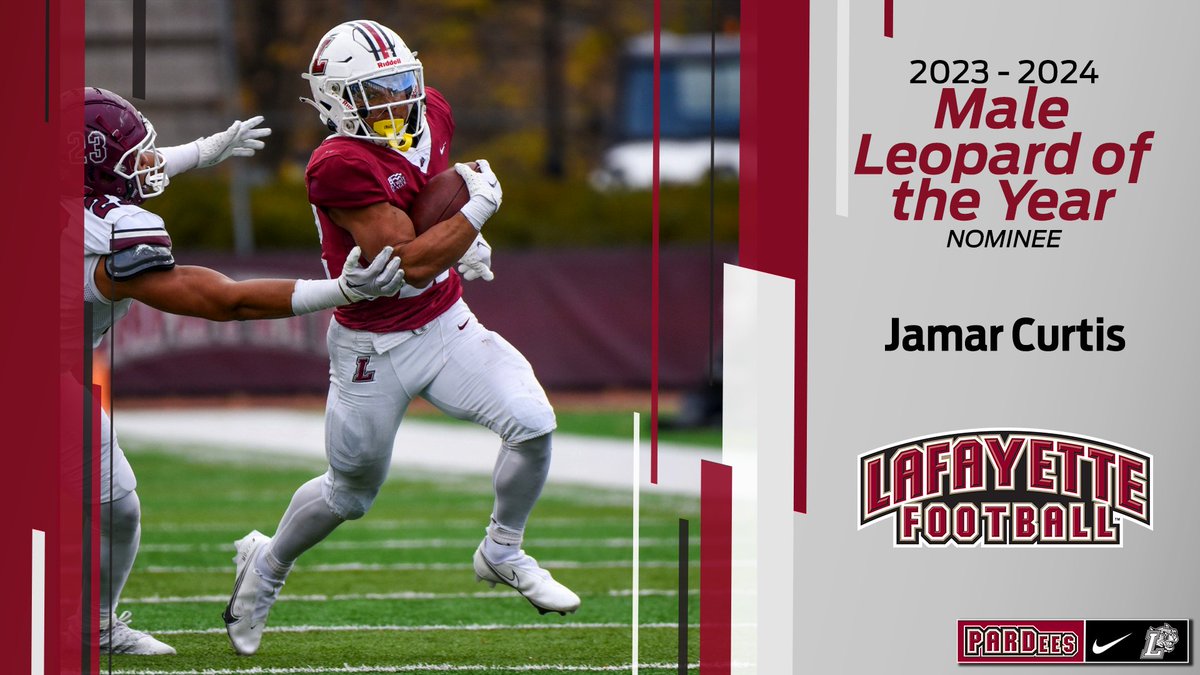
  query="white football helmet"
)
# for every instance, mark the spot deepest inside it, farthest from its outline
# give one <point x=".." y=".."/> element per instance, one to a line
<point x="367" y="84"/>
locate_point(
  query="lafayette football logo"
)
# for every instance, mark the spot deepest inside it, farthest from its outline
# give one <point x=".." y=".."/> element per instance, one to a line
<point x="1005" y="487"/>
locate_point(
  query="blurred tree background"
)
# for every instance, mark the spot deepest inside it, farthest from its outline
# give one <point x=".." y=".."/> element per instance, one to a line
<point x="533" y="86"/>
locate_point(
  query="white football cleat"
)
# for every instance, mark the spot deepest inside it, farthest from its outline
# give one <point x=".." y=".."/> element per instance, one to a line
<point x="524" y="574"/>
<point x="116" y="637"/>
<point x="246" y="614"/>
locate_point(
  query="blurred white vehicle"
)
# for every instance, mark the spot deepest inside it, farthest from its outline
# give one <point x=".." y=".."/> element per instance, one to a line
<point x="693" y="131"/>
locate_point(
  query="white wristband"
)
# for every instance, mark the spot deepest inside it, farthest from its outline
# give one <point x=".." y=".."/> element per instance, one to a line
<point x="312" y="295"/>
<point x="477" y="210"/>
<point x="181" y="158"/>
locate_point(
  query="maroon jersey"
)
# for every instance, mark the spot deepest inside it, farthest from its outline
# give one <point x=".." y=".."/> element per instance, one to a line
<point x="349" y="173"/>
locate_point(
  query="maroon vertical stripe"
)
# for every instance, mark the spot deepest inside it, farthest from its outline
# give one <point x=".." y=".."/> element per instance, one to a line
<point x="378" y="38"/>
<point x="716" y="556"/>
<point x="887" y="18"/>
<point x="773" y="226"/>
<point x="93" y="534"/>
<point x="748" y="135"/>
<point x="65" y="604"/>
<point x="32" y="415"/>
<point x="654" y="255"/>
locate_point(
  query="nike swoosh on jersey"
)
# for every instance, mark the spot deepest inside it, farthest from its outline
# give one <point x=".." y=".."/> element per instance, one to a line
<point x="1100" y="649"/>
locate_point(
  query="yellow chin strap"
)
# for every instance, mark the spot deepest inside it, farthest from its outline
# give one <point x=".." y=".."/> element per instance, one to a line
<point x="396" y="138"/>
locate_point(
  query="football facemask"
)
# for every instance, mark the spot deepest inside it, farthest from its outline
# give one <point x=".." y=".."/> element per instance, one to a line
<point x="388" y="106"/>
<point x="144" y="165"/>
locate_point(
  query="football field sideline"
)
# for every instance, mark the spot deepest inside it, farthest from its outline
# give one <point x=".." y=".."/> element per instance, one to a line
<point x="420" y="444"/>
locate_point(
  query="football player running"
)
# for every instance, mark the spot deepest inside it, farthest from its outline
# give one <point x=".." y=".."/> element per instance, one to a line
<point x="391" y="134"/>
<point x="127" y="257"/>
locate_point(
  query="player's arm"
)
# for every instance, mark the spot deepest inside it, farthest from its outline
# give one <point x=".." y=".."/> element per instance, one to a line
<point x="208" y="294"/>
<point x="241" y="139"/>
<point x="438" y="248"/>
<point x="426" y="256"/>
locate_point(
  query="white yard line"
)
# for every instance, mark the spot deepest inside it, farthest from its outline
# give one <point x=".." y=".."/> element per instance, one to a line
<point x="385" y="544"/>
<point x="371" y="597"/>
<point x="418" y="668"/>
<point x="415" y="567"/>
<point x="426" y="628"/>
<point x="370" y="523"/>
<point x="430" y="446"/>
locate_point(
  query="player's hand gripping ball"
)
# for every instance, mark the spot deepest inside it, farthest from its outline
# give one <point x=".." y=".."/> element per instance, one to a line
<point x="443" y="196"/>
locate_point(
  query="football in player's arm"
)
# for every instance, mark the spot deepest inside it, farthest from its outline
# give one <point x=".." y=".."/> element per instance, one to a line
<point x="381" y="224"/>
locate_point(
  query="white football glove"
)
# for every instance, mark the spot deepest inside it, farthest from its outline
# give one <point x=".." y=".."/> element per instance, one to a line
<point x="484" y="188"/>
<point x="476" y="263"/>
<point x="241" y="139"/>
<point x="382" y="278"/>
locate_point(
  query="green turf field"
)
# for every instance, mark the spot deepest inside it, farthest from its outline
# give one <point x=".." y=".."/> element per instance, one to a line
<point x="394" y="592"/>
<point x="604" y="424"/>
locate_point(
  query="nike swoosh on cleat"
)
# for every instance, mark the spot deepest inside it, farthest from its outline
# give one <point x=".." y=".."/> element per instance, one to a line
<point x="511" y="582"/>
<point x="462" y="326"/>
<point x="228" y="614"/>
<point x="1100" y="649"/>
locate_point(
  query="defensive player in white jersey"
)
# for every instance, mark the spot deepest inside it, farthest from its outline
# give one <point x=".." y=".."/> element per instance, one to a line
<point x="127" y="257"/>
<point x="391" y="134"/>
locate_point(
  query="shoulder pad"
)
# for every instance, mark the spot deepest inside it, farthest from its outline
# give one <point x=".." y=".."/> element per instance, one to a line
<point x="129" y="262"/>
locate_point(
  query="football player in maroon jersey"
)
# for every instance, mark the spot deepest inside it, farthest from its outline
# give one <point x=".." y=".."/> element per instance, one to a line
<point x="127" y="257"/>
<point x="390" y="135"/>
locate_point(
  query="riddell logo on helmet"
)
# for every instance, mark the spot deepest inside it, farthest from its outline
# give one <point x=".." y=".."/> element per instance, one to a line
<point x="1005" y="487"/>
<point x="389" y="62"/>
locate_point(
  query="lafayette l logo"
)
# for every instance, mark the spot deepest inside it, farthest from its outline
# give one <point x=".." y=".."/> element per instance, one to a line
<point x="1005" y="487"/>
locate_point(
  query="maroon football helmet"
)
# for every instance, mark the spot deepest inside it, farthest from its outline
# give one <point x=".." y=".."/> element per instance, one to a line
<point x="118" y="149"/>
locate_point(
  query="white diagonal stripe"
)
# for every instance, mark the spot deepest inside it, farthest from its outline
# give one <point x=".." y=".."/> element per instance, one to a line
<point x="637" y="512"/>
<point x="841" y="133"/>
<point x="37" y="627"/>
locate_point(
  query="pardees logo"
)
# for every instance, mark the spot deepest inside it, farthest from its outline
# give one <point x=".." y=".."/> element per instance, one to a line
<point x="1077" y="641"/>
<point x="1020" y="641"/>
<point x="1005" y="487"/>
